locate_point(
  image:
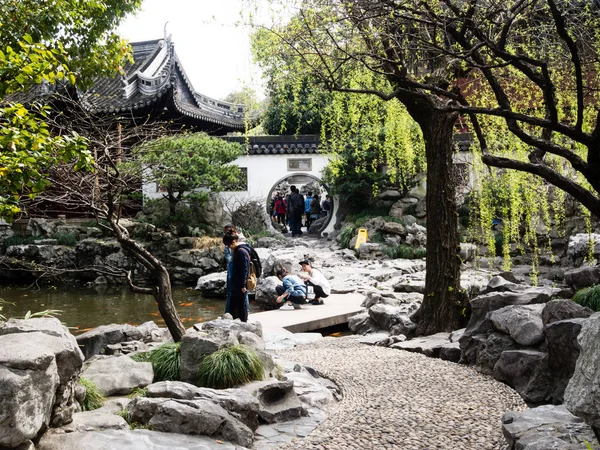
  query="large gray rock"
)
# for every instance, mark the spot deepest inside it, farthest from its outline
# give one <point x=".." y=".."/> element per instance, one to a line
<point x="428" y="345"/>
<point x="212" y="285"/>
<point x="118" y="375"/>
<point x="523" y="323"/>
<point x="237" y="402"/>
<point x="39" y="365"/>
<point x="545" y="427"/>
<point x="562" y="309"/>
<point x="578" y="246"/>
<point x="387" y="317"/>
<point x="563" y="351"/>
<point x="526" y="371"/>
<point x="278" y="401"/>
<point x="129" y="440"/>
<point x="583" y="277"/>
<point x="198" y="417"/>
<point x="234" y="326"/>
<point x="195" y="345"/>
<point x="487" y="351"/>
<point x="94" y="342"/>
<point x="581" y="395"/>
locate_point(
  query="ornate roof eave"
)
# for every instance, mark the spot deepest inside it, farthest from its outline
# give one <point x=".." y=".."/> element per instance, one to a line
<point x="131" y="107"/>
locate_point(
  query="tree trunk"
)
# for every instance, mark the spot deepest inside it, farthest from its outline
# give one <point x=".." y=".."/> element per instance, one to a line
<point x="166" y="307"/>
<point x="444" y="303"/>
<point x="162" y="282"/>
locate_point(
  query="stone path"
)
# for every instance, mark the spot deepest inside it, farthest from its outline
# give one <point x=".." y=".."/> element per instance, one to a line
<point x="393" y="399"/>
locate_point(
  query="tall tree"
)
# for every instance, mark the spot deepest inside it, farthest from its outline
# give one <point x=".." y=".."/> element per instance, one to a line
<point x="532" y="63"/>
<point x="43" y="43"/>
<point x="182" y="165"/>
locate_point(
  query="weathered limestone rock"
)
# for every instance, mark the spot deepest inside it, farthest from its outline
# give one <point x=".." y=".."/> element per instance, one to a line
<point x="195" y="345"/>
<point x="39" y="365"/>
<point x="278" y="401"/>
<point x="581" y="395"/>
<point x="545" y="427"/>
<point x="94" y="342"/>
<point x="387" y="317"/>
<point x="562" y="309"/>
<point x="583" y="277"/>
<point x="563" y="351"/>
<point x="213" y="284"/>
<point x="523" y="323"/>
<point x="526" y="371"/>
<point x="237" y="402"/>
<point x="129" y="440"/>
<point x="198" y="417"/>
<point x="118" y="375"/>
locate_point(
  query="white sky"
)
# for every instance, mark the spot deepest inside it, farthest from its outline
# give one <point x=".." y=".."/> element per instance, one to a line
<point x="213" y="49"/>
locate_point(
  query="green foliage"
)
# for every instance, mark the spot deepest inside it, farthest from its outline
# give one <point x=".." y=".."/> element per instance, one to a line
<point x="141" y="356"/>
<point x="2" y="303"/>
<point x="93" y="397"/>
<point x="138" y="392"/>
<point x="185" y="163"/>
<point x="63" y="238"/>
<point x="57" y="42"/>
<point x="229" y="367"/>
<point x="166" y="361"/>
<point x="347" y="234"/>
<point x="589" y="297"/>
<point x="45" y="313"/>
<point x="404" y="252"/>
<point x="20" y="240"/>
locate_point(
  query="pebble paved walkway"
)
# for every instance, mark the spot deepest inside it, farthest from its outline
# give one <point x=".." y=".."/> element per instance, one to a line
<point x="393" y="399"/>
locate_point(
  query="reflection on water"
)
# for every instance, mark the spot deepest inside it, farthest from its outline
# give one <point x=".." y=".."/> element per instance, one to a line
<point x="86" y="308"/>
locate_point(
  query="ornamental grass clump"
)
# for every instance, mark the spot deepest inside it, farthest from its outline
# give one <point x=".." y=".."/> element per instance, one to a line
<point x="589" y="297"/>
<point x="93" y="397"/>
<point x="166" y="362"/>
<point x="229" y="367"/>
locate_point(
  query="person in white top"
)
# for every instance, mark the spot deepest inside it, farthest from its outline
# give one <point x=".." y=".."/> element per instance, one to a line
<point x="315" y="278"/>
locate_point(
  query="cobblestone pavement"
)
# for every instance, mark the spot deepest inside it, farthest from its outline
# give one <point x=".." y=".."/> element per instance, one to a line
<point x="393" y="399"/>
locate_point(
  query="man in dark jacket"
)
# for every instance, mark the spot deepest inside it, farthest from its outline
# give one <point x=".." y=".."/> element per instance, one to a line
<point x="239" y="275"/>
<point x="295" y="211"/>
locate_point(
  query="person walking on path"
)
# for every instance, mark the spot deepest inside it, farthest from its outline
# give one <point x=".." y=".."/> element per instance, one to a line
<point x="307" y="201"/>
<point x="280" y="210"/>
<point x="315" y="278"/>
<point x="326" y="206"/>
<point x="293" y="289"/>
<point x="239" y="273"/>
<point x="295" y="207"/>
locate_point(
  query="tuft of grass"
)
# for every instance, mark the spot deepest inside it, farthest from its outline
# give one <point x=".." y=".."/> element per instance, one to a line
<point x="20" y="240"/>
<point x="69" y="239"/>
<point x="166" y="361"/>
<point x="229" y="367"/>
<point x="404" y="252"/>
<point x="141" y="357"/>
<point x="589" y="297"/>
<point x="346" y="235"/>
<point x="93" y="397"/>
<point x="138" y="392"/>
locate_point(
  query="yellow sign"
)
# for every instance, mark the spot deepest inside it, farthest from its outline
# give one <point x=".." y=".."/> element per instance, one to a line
<point x="361" y="238"/>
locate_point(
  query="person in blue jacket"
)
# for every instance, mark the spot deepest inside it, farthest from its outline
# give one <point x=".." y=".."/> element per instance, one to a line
<point x="293" y="289"/>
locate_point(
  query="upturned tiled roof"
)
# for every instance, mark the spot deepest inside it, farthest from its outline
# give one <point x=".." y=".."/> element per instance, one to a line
<point x="279" y="145"/>
<point x="154" y="83"/>
<point x="157" y="78"/>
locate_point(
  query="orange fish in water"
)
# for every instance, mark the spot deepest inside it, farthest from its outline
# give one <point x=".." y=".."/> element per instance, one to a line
<point x="154" y="314"/>
<point x="83" y="329"/>
<point x="186" y="304"/>
<point x="200" y="319"/>
<point x="336" y="334"/>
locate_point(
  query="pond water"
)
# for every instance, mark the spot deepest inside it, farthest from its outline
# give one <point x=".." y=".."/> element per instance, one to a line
<point x="85" y="308"/>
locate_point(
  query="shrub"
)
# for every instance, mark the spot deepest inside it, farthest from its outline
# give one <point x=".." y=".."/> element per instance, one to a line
<point x="589" y="297"/>
<point x="404" y="251"/>
<point x="93" y="397"/>
<point x="165" y="361"/>
<point x="229" y="367"/>
<point x="346" y="235"/>
<point x="20" y="240"/>
<point x="69" y="239"/>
